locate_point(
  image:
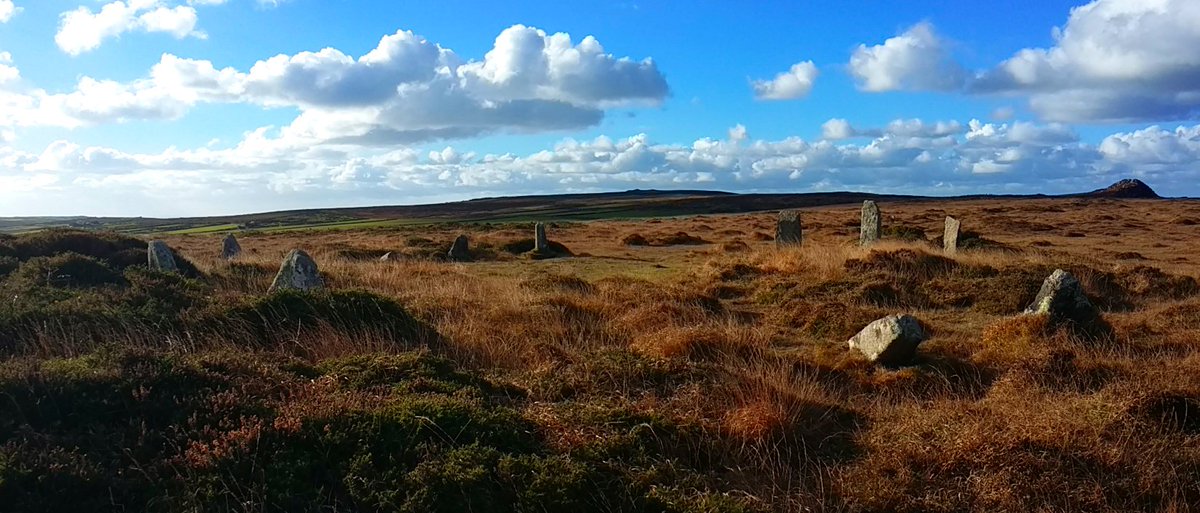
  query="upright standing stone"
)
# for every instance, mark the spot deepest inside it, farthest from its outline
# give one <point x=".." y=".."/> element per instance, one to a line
<point x="788" y="231"/>
<point x="298" y="272"/>
<point x="870" y="225"/>
<point x="950" y="236"/>
<point x="540" y="243"/>
<point x="161" y="258"/>
<point x="461" y="249"/>
<point x="230" y="248"/>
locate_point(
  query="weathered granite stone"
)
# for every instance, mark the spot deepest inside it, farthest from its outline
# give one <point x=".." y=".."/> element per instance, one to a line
<point x="230" y="248"/>
<point x="541" y="244"/>
<point x="892" y="340"/>
<point x="950" y="236"/>
<point x="161" y="258"/>
<point x="1062" y="297"/>
<point x="298" y="272"/>
<point x="460" y="251"/>
<point x="871" y="224"/>
<point x="788" y="231"/>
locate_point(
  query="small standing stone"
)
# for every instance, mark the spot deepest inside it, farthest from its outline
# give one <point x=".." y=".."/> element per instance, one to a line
<point x="461" y="249"/>
<point x="788" y="231"/>
<point x="1062" y="297"/>
<point x="161" y="258"/>
<point x="540" y="243"/>
<point x="298" y="272"/>
<point x="230" y="248"/>
<point x="950" y="236"/>
<point x="871" y="223"/>
<point x="1063" y="300"/>
<point x="892" y="340"/>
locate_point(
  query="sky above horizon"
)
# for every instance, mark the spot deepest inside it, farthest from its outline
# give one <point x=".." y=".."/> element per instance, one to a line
<point x="174" y="108"/>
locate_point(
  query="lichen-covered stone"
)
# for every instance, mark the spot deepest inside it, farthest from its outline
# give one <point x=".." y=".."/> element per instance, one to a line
<point x="230" y="248"/>
<point x="892" y="340"/>
<point x="460" y="250"/>
<point x="298" y="272"/>
<point x="541" y="244"/>
<point x="160" y="257"/>
<point x="871" y="224"/>
<point x="788" y="231"/>
<point x="950" y="235"/>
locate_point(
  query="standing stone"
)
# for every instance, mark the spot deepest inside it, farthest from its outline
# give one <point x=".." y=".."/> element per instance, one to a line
<point x="892" y="340"/>
<point x="161" y="258"/>
<point x="870" y="227"/>
<point x="298" y="272"/>
<point x="788" y="231"/>
<point x="230" y="248"/>
<point x="1062" y="297"/>
<point x="540" y="243"/>
<point x="950" y="236"/>
<point x="461" y="249"/>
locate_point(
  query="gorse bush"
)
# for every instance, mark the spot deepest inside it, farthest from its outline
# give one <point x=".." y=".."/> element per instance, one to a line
<point x="131" y="430"/>
<point x="67" y="270"/>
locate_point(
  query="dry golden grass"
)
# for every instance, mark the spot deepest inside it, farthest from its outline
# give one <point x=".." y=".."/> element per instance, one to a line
<point x="1000" y="412"/>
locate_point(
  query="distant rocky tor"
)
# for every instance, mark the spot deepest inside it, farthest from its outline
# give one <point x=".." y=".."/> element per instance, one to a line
<point x="1129" y="188"/>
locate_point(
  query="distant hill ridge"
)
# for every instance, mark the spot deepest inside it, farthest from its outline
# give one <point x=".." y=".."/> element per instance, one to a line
<point x="1129" y="188"/>
<point x="636" y="203"/>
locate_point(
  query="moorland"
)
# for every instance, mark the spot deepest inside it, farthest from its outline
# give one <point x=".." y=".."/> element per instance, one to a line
<point x="676" y="363"/>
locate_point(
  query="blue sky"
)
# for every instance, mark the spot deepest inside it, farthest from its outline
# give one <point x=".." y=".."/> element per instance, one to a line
<point x="178" y="107"/>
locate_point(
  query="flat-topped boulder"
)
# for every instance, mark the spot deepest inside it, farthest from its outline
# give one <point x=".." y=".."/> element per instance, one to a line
<point x="297" y="272"/>
<point x="160" y="257"/>
<point x="891" y="341"/>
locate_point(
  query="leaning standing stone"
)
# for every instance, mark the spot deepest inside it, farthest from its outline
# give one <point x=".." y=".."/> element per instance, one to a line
<point x="540" y="243"/>
<point x="870" y="226"/>
<point x="230" y="248"/>
<point x="460" y="250"/>
<point x="788" y="231"/>
<point x="950" y="236"/>
<point x="892" y="340"/>
<point x="298" y="272"/>
<point x="161" y="258"/>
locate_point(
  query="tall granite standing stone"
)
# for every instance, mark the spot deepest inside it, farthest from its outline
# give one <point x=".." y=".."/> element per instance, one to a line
<point x="788" y="231"/>
<point x="871" y="224"/>
<point x="540" y="243"/>
<point x="161" y="258"/>
<point x="230" y="248"/>
<point x="298" y="272"/>
<point x="950" y="236"/>
<point x="460" y="251"/>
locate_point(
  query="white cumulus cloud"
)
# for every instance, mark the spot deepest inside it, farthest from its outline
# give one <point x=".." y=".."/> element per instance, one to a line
<point x="8" y="10"/>
<point x="917" y="60"/>
<point x="83" y="30"/>
<point x="794" y="83"/>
